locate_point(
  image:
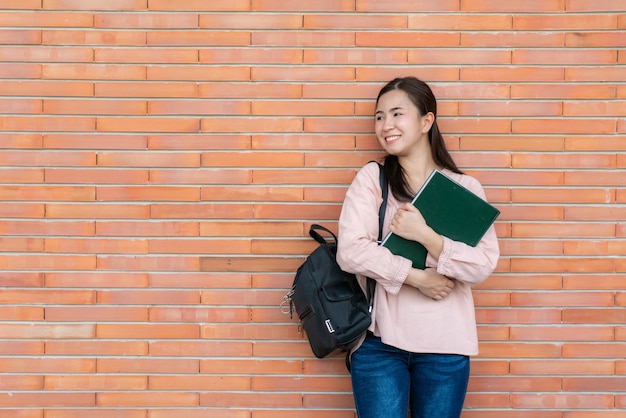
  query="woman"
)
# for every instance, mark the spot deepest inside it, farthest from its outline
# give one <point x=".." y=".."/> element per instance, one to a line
<point x="416" y="352"/>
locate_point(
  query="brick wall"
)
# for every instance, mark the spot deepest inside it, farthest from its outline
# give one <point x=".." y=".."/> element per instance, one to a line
<point x="161" y="161"/>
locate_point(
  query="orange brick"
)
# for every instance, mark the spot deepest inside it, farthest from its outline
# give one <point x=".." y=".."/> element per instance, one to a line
<point x="531" y="6"/>
<point x="515" y="39"/>
<point x="199" y="142"/>
<point x="152" y="399"/>
<point x="562" y="401"/>
<point x="150" y="193"/>
<point x="594" y="6"/>
<point x="120" y="19"/>
<point x="198" y="38"/>
<point x="197" y="73"/>
<point x="93" y="71"/>
<point x="147" y="263"/>
<point x="197" y="107"/>
<point x="95" y="413"/>
<point x="21" y="175"/>
<point x="564" y="57"/>
<point x="20" y="106"/>
<point x="560" y="333"/>
<point x="200" y="348"/>
<point x="255" y="21"/>
<point x="21" y="313"/>
<point x="254" y="124"/>
<point x="20" y="70"/>
<point x="197" y="383"/>
<point x="47" y="123"/>
<point x="461" y="56"/>
<point x="569" y="21"/>
<point x="354" y="56"/>
<point x="146" y="56"/>
<point x="25" y="399"/>
<point x="596" y="73"/>
<point x="149" y="331"/>
<point x="581" y="91"/>
<point x="95" y="107"/>
<point x="91" y="176"/>
<point x="173" y="246"/>
<point x="93" y="37"/>
<point x="94" y="141"/>
<point x="48" y="365"/>
<point x="404" y="5"/>
<point x="199" y="314"/>
<point x="461" y="22"/>
<point x="148" y="159"/>
<point x="252" y="400"/>
<point x="408" y="39"/>
<point x="97" y="211"/>
<point x="47" y="262"/>
<point x="96" y="314"/>
<point x="96" y="383"/>
<point x="101" y="348"/>
<point x="201" y="176"/>
<point x="255" y="56"/>
<point x="516" y="73"/>
<point x="200" y="5"/>
<point x="49" y="19"/>
<point x="200" y="280"/>
<point x="96" y="279"/>
<point x="21" y="244"/>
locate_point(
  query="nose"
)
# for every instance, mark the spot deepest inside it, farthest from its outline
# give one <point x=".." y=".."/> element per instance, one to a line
<point x="387" y="124"/>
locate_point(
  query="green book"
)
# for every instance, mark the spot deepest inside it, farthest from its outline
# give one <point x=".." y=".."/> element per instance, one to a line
<point x="451" y="210"/>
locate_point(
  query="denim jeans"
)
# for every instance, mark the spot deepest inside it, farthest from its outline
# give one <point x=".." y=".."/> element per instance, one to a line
<point x="387" y="380"/>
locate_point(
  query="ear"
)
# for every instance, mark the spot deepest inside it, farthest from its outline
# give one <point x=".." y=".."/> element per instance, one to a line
<point x="427" y="122"/>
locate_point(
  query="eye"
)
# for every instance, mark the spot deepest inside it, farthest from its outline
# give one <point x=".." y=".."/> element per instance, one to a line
<point x="396" y="114"/>
<point x="378" y="117"/>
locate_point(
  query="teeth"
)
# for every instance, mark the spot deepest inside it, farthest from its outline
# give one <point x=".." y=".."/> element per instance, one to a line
<point x="392" y="138"/>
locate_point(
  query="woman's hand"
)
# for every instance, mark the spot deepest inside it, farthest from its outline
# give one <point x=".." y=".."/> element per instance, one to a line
<point x="430" y="283"/>
<point x="409" y="223"/>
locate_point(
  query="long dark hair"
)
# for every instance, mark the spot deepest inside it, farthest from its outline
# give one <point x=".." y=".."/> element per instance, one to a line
<point x="423" y="98"/>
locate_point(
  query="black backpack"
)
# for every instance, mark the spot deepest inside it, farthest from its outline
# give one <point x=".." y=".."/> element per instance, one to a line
<point x="333" y="310"/>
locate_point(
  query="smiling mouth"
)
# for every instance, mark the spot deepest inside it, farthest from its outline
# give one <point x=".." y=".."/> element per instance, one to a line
<point x="392" y="138"/>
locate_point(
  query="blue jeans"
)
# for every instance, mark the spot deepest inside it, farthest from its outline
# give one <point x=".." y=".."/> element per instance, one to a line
<point x="387" y="380"/>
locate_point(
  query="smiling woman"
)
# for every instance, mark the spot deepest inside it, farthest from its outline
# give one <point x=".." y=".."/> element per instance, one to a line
<point x="416" y="352"/>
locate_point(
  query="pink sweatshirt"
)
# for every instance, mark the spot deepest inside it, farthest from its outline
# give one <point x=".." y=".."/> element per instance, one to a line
<point x="402" y="316"/>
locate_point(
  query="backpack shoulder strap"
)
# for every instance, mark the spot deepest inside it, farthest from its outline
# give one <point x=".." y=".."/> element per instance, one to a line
<point x="384" y="186"/>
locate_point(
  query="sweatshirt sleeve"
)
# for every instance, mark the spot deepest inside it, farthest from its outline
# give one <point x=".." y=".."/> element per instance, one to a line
<point x="358" y="252"/>
<point x="463" y="262"/>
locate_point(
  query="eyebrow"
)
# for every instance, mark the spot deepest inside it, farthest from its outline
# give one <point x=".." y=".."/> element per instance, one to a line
<point x="391" y="110"/>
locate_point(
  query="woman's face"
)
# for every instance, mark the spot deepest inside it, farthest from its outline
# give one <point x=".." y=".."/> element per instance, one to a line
<point x="399" y="126"/>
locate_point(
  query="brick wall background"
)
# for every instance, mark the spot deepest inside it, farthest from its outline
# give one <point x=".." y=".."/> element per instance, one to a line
<point x="161" y="161"/>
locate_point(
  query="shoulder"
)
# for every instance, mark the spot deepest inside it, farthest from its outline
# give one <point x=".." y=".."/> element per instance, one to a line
<point x="369" y="173"/>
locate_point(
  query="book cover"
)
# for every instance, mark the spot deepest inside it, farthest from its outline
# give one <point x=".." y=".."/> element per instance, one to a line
<point x="451" y="210"/>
